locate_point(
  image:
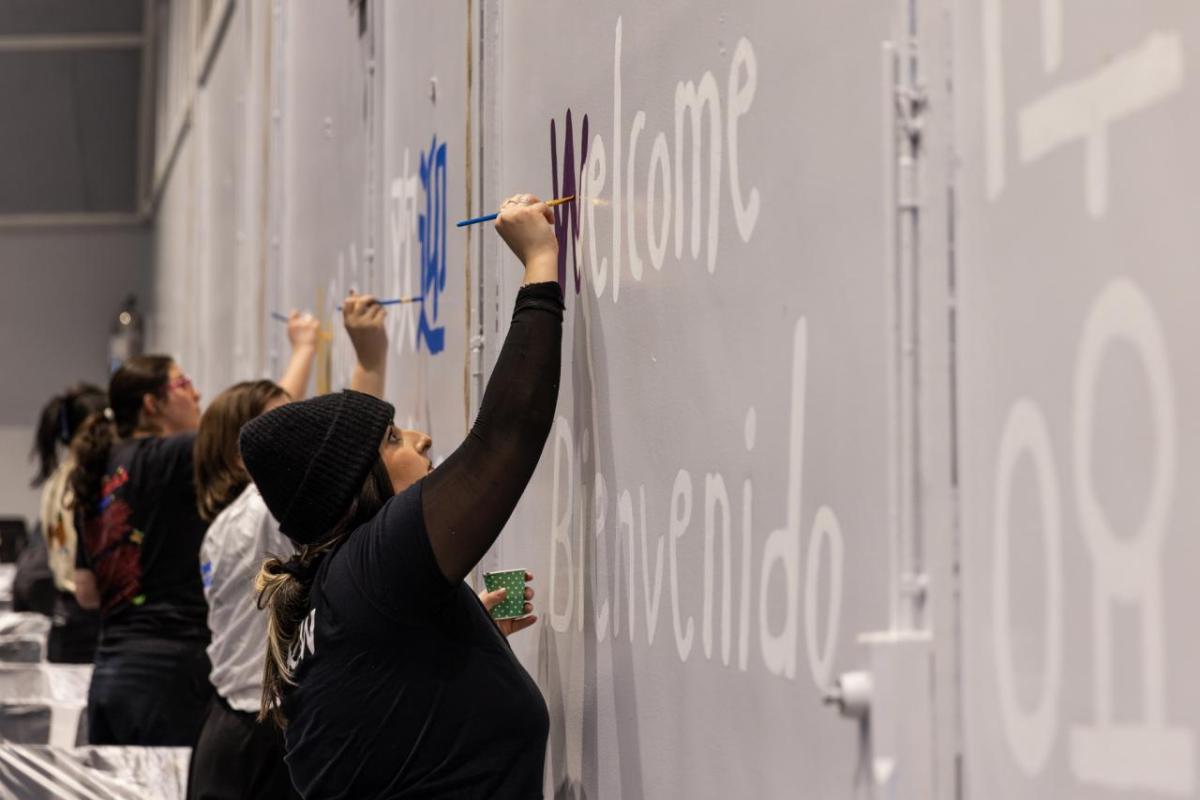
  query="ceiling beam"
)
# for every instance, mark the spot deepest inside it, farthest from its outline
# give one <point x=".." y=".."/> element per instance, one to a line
<point x="86" y="219"/>
<point x="32" y="43"/>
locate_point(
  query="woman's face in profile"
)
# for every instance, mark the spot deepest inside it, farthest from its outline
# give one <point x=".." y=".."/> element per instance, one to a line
<point x="404" y="454"/>
<point x="179" y="406"/>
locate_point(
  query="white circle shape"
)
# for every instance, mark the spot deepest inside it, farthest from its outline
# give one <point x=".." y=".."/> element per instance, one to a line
<point x="1122" y="312"/>
<point x="1030" y="734"/>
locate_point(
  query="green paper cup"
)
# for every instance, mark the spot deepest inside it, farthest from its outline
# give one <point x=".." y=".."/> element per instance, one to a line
<point x="513" y="580"/>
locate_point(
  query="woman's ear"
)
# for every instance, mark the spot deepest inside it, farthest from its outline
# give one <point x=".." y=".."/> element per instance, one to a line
<point x="150" y="406"/>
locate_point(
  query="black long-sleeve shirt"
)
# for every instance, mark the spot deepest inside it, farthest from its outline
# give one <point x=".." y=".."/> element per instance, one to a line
<point x="405" y="687"/>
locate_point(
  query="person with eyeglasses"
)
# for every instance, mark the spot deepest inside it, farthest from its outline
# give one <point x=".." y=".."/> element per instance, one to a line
<point x="140" y="537"/>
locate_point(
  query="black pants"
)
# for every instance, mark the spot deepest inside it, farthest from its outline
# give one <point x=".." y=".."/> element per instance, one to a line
<point x="238" y="757"/>
<point x="149" y="692"/>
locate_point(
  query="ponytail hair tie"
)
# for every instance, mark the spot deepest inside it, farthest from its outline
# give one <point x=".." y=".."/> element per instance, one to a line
<point x="109" y="415"/>
<point x="294" y="568"/>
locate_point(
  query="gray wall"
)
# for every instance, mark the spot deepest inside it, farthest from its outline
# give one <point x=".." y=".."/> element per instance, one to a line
<point x="893" y="393"/>
<point x="709" y="520"/>
<point x="62" y="291"/>
<point x="1078" y="449"/>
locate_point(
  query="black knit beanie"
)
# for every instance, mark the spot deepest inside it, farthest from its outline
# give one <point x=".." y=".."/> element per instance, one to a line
<point x="310" y="459"/>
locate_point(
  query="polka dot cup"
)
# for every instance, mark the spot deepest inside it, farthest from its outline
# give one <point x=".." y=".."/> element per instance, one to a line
<point x="513" y="580"/>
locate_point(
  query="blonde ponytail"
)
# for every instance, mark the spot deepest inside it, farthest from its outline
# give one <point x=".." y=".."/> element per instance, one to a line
<point x="283" y="588"/>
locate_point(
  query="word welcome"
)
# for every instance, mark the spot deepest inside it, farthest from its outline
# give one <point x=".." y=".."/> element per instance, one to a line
<point x="664" y="185"/>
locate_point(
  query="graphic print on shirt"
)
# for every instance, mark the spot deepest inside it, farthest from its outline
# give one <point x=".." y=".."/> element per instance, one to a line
<point x="305" y="643"/>
<point x="114" y="547"/>
<point x="56" y="533"/>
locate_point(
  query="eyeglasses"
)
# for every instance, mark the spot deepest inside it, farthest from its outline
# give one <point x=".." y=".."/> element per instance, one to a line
<point x="182" y="382"/>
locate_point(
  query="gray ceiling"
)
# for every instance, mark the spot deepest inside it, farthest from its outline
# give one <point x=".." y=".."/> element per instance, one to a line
<point x="68" y="137"/>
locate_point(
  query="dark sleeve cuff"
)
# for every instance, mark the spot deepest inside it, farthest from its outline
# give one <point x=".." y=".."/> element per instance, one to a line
<point x="546" y="297"/>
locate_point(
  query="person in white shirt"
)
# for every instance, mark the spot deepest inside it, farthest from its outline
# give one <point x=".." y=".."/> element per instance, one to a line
<point x="235" y="756"/>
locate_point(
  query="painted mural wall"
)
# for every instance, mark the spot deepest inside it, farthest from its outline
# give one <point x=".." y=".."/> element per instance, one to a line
<point x="715" y="471"/>
<point x="1077" y="376"/>
<point x="860" y="339"/>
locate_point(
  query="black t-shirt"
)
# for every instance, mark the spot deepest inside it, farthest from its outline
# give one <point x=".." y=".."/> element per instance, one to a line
<point x="405" y="686"/>
<point x="144" y="544"/>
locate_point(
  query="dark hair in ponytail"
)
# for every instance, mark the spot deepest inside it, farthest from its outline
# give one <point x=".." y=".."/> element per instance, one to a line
<point x="283" y="587"/>
<point x="133" y="380"/>
<point x="60" y="420"/>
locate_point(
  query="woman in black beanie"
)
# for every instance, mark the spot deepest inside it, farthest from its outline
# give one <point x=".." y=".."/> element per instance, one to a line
<point x="389" y="675"/>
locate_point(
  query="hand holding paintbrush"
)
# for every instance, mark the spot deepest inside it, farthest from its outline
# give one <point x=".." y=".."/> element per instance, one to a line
<point x="526" y="225"/>
<point x="489" y="217"/>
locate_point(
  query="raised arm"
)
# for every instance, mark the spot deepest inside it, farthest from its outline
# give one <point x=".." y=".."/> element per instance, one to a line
<point x="468" y="499"/>
<point x="303" y="331"/>
<point x="364" y="319"/>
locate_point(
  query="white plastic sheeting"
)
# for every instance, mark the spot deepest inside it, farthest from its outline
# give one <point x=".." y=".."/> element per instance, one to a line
<point x="30" y="772"/>
<point x="42" y="720"/>
<point x="8" y="573"/>
<point x="24" y="623"/>
<point x="23" y="637"/>
<point x="44" y="703"/>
